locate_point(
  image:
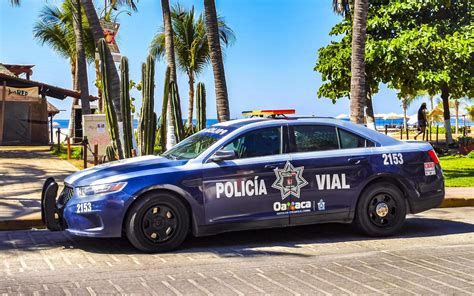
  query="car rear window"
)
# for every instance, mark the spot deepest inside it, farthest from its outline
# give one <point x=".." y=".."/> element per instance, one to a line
<point x="313" y="138"/>
<point x="349" y="140"/>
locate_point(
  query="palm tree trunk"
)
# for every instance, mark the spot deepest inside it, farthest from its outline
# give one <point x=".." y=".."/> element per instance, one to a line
<point x="97" y="33"/>
<point x="432" y="107"/>
<point x="456" y="109"/>
<point x="169" y="48"/>
<point x="369" y="112"/>
<point x="75" y="101"/>
<point x="222" y="100"/>
<point x="191" y="99"/>
<point x="81" y="58"/>
<point x="405" y="107"/>
<point x="446" y="115"/>
<point x="358" y="61"/>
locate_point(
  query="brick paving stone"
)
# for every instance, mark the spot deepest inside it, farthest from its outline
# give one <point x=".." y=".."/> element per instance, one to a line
<point x="437" y="257"/>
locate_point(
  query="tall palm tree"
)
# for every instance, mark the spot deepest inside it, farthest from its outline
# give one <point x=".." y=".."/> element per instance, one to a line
<point x="170" y="59"/>
<point x="192" y="49"/>
<point x="97" y="33"/>
<point x="80" y="57"/>
<point x="358" y="90"/>
<point x="222" y="100"/>
<point x="55" y="28"/>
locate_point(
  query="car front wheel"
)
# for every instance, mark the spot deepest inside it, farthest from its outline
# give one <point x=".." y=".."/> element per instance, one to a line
<point x="381" y="210"/>
<point x="157" y="222"/>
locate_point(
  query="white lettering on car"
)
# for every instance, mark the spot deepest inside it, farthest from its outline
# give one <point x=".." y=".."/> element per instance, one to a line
<point x="250" y="187"/>
<point x="294" y="207"/>
<point x="392" y="158"/>
<point x="332" y="182"/>
<point x="85" y="207"/>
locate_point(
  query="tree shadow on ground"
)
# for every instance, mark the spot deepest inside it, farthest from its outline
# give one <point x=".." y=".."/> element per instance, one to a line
<point x="239" y="244"/>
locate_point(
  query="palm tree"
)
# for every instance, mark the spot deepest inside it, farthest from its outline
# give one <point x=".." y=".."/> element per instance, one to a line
<point x="358" y="90"/>
<point x="192" y="49"/>
<point x="97" y="33"/>
<point x="80" y="57"/>
<point x="55" y="28"/>
<point x="222" y="100"/>
<point x="407" y="100"/>
<point x="344" y="8"/>
<point x="170" y="59"/>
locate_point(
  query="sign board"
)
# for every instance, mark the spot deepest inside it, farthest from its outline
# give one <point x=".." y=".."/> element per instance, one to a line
<point x="95" y="129"/>
<point x="110" y="31"/>
<point x="27" y="94"/>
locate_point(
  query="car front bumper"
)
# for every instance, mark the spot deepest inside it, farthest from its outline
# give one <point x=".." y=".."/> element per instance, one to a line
<point x="102" y="218"/>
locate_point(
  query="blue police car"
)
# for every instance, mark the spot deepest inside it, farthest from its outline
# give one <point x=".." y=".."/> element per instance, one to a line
<point x="249" y="174"/>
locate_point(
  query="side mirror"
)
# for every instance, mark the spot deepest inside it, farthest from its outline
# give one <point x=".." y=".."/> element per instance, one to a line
<point x="222" y="155"/>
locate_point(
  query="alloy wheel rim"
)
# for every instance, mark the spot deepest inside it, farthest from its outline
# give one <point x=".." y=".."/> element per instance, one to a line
<point x="382" y="210"/>
<point x="159" y="223"/>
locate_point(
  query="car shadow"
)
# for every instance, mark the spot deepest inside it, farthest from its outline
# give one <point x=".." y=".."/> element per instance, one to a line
<point x="246" y="243"/>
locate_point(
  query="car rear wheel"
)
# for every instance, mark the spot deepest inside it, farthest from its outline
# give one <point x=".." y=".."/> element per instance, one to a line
<point x="381" y="210"/>
<point x="157" y="222"/>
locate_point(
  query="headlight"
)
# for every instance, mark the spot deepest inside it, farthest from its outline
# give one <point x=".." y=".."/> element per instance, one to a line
<point x="92" y="190"/>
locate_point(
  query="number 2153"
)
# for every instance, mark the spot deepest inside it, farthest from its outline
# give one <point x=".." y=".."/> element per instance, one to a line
<point x="392" y="158"/>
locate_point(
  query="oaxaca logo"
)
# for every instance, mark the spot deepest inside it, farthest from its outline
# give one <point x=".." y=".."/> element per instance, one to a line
<point x="289" y="180"/>
<point x="330" y="182"/>
<point x="250" y="187"/>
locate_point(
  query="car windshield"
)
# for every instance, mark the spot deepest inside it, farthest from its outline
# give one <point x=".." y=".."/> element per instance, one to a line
<point x="196" y="144"/>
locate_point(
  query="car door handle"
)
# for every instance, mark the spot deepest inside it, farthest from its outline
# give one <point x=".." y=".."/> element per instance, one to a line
<point x="357" y="160"/>
<point x="274" y="165"/>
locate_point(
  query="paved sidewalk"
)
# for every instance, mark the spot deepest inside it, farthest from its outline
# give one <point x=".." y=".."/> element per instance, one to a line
<point x="22" y="173"/>
<point x="432" y="255"/>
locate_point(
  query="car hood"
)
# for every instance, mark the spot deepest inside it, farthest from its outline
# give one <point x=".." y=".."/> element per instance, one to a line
<point x="118" y="170"/>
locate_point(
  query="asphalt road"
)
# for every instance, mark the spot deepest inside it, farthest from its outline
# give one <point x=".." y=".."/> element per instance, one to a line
<point x="434" y="254"/>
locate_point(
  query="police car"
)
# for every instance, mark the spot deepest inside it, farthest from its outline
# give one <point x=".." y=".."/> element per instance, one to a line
<point x="252" y="173"/>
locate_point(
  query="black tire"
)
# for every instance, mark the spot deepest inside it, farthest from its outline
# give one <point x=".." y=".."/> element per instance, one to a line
<point x="381" y="210"/>
<point x="157" y="222"/>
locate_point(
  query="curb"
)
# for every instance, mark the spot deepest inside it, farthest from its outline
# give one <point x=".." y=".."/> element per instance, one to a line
<point x="457" y="202"/>
<point x="25" y="224"/>
<point x="21" y="224"/>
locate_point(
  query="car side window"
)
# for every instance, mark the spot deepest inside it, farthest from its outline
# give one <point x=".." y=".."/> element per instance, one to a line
<point x="350" y="140"/>
<point x="314" y="138"/>
<point x="261" y="142"/>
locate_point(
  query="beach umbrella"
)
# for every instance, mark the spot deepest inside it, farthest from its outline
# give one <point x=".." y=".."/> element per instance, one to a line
<point x="56" y="125"/>
<point x="380" y="115"/>
<point x="413" y="119"/>
<point x="393" y="115"/>
<point x="342" y="116"/>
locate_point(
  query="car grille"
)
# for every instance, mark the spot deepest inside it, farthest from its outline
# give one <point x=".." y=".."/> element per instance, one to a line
<point x="65" y="195"/>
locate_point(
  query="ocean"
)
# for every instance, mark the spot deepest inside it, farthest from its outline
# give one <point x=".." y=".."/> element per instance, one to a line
<point x="380" y="122"/>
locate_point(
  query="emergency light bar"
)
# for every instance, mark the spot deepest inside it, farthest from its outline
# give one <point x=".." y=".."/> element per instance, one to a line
<point x="269" y="113"/>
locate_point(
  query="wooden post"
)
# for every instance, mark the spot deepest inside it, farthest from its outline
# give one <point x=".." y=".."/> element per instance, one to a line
<point x="408" y="136"/>
<point x="2" y="116"/>
<point x="59" y="139"/>
<point x="96" y="154"/>
<point x="84" y="151"/>
<point x="134" y="152"/>
<point x="68" y="148"/>
<point x="401" y="133"/>
<point x="386" y="129"/>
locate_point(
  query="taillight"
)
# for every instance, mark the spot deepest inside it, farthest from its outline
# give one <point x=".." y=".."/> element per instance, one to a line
<point x="433" y="156"/>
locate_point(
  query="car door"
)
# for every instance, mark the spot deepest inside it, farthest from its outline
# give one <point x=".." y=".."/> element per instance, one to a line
<point x="240" y="190"/>
<point x="334" y="163"/>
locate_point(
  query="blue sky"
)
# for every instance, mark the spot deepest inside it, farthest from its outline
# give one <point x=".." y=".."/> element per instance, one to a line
<point x="270" y="65"/>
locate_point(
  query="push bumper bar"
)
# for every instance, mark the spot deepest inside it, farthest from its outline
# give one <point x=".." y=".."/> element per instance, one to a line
<point x="49" y="212"/>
